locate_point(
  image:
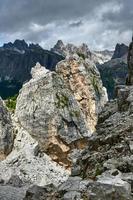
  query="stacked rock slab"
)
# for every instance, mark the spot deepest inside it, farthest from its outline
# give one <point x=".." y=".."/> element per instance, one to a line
<point x="6" y="131"/>
<point x="60" y="114"/>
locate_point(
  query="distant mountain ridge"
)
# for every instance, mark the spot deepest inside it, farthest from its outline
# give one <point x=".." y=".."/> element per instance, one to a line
<point x="16" y="61"/>
<point x="98" y="57"/>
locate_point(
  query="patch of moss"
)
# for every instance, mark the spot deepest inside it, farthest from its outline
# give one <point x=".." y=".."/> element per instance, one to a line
<point x="81" y="55"/>
<point x="63" y="101"/>
<point x="75" y="113"/>
<point x="99" y="170"/>
<point x="96" y="88"/>
<point x="11" y="102"/>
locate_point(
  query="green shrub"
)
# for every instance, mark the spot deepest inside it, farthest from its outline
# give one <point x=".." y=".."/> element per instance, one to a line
<point x="81" y="55"/>
<point x="96" y="88"/>
<point x="75" y="113"/>
<point x="11" y="103"/>
<point x="63" y="101"/>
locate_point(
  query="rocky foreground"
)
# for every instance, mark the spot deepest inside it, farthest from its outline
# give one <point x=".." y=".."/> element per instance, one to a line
<point x="63" y="142"/>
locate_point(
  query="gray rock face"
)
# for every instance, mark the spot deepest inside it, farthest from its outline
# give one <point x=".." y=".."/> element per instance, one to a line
<point x="12" y="193"/>
<point x="17" y="169"/>
<point x="6" y="131"/>
<point x="35" y="192"/>
<point x="130" y="65"/>
<point x="113" y="73"/>
<point x="51" y="110"/>
<point x="98" y="57"/>
<point x="46" y="108"/>
<point x="120" y="51"/>
<point x="70" y="49"/>
<point x="108" y="157"/>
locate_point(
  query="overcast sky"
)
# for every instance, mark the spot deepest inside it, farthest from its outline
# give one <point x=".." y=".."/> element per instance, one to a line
<point x="99" y="23"/>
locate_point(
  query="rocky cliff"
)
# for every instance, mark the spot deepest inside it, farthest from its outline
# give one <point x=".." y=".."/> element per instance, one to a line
<point x="6" y="131"/>
<point x="130" y="64"/>
<point x="98" y="57"/>
<point x="16" y="61"/>
<point x="69" y="49"/>
<point x="114" y="71"/>
<point x="120" y="51"/>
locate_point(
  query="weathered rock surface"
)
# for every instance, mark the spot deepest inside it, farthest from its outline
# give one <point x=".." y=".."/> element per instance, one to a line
<point x="70" y="49"/>
<point x="30" y="165"/>
<point x="12" y="193"/>
<point x="130" y="64"/>
<point x="120" y="51"/>
<point x="6" y="131"/>
<point x="59" y="109"/>
<point x="98" y="57"/>
<point x="113" y="73"/>
<point x="83" y="79"/>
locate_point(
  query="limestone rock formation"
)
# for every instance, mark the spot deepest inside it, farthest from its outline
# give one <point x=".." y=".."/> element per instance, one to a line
<point x="120" y="51"/>
<point x="130" y="64"/>
<point x="114" y="71"/>
<point x="59" y="109"/>
<point x="98" y="57"/>
<point x="29" y="164"/>
<point x="70" y="49"/>
<point x="6" y="131"/>
<point x="83" y="79"/>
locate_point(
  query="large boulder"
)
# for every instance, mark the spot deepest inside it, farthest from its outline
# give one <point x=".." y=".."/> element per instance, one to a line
<point x="60" y="114"/>
<point x="6" y="131"/>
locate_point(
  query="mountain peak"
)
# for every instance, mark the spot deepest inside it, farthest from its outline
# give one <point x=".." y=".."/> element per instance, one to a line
<point x="120" y="50"/>
<point x="18" y="44"/>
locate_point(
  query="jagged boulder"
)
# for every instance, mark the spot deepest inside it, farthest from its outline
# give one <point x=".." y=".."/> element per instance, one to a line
<point x="47" y="109"/>
<point x="6" y="131"/>
<point x="54" y="111"/>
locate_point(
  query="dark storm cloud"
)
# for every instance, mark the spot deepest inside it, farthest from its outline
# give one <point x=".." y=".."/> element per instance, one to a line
<point x="44" y="21"/>
<point x="123" y="19"/>
<point x="16" y="14"/>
